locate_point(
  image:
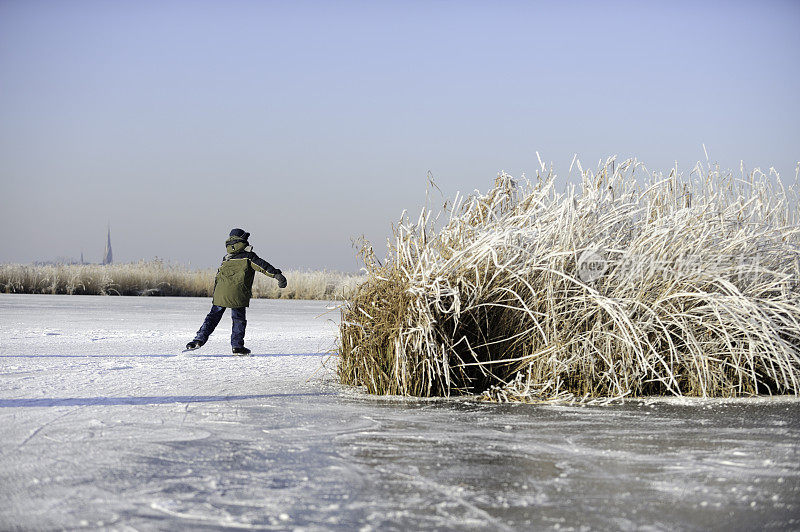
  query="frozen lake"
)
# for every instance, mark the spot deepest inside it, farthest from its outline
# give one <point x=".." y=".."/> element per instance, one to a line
<point x="107" y="426"/>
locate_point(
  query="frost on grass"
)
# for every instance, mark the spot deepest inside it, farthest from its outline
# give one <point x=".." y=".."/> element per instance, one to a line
<point x="629" y="283"/>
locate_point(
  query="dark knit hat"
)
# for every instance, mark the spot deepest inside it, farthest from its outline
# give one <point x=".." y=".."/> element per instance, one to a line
<point x="241" y="233"/>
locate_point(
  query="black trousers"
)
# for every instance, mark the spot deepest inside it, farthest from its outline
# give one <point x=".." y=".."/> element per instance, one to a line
<point x="239" y="316"/>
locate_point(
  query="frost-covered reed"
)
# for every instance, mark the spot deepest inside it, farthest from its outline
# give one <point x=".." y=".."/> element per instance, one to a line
<point x="627" y="284"/>
<point x="159" y="278"/>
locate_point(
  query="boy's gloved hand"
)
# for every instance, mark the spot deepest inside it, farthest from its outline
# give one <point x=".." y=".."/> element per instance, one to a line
<point x="281" y="280"/>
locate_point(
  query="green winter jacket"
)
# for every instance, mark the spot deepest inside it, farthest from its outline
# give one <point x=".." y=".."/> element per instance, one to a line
<point x="233" y="286"/>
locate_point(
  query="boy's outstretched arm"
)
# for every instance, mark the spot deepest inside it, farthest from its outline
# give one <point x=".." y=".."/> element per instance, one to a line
<point x="267" y="269"/>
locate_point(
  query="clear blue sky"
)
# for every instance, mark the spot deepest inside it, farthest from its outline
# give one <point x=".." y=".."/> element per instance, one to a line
<point x="308" y="123"/>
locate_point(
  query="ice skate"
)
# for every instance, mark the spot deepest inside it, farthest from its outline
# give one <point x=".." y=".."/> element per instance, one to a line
<point x="194" y="344"/>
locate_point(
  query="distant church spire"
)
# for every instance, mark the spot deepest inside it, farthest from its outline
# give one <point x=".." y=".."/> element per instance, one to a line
<point x="108" y="258"/>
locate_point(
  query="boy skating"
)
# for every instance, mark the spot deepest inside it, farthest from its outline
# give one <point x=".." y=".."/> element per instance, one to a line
<point x="233" y="288"/>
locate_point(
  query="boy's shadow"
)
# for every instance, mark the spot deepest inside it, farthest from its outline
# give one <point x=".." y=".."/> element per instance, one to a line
<point x="266" y="355"/>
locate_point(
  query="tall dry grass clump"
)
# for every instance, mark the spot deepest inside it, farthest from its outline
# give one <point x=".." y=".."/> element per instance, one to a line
<point x="157" y="278"/>
<point x="308" y="284"/>
<point x="628" y="284"/>
<point x="141" y="278"/>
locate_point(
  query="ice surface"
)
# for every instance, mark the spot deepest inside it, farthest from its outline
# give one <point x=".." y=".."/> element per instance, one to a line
<point x="105" y="425"/>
